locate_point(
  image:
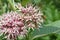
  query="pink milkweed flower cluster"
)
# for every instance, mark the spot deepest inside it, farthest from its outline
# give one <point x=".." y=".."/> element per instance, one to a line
<point x="32" y="15"/>
<point x="12" y="25"/>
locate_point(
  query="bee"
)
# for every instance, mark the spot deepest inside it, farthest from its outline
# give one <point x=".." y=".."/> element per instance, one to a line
<point x="43" y="16"/>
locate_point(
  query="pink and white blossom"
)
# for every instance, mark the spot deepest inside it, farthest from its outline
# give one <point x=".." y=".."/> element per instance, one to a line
<point x="12" y="25"/>
<point x="32" y="15"/>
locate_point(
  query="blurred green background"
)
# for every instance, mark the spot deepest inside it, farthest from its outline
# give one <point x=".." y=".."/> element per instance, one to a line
<point x="50" y="9"/>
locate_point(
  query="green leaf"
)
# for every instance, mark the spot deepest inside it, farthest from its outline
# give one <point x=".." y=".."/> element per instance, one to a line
<point x="24" y="2"/>
<point x="37" y="1"/>
<point x="55" y="24"/>
<point x="18" y="1"/>
<point x="44" y="31"/>
<point x="20" y="37"/>
<point x="49" y="29"/>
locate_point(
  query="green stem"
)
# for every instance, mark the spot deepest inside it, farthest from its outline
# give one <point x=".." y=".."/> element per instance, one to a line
<point x="0" y="3"/>
<point x="29" y="36"/>
<point x="11" y="2"/>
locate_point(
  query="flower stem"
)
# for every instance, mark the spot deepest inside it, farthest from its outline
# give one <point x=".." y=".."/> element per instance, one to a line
<point x="11" y="2"/>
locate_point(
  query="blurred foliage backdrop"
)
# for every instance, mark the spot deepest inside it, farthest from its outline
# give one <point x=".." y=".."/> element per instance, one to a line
<point x="50" y="9"/>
